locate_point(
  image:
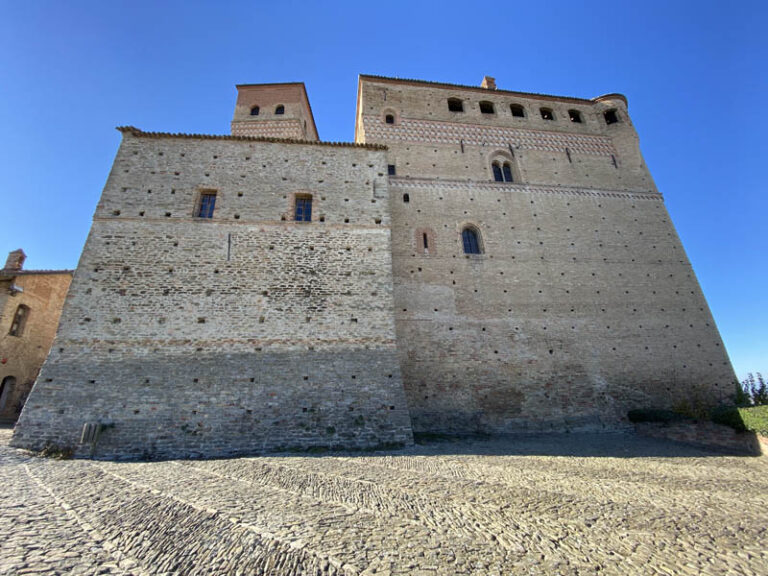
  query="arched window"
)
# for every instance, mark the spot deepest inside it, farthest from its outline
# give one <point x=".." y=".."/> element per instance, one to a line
<point x="611" y="116"/>
<point x="280" y="109"/>
<point x="19" y="321"/>
<point x="255" y="111"/>
<point x="406" y="198"/>
<point x="471" y="240"/>
<point x="575" y="116"/>
<point x="389" y="119"/>
<point x="506" y="169"/>
<point x="547" y="113"/>
<point x="517" y="110"/>
<point x="455" y="105"/>
<point x="6" y="388"/>
<point x="502" y="171"/>
<point x="487" y="108"/>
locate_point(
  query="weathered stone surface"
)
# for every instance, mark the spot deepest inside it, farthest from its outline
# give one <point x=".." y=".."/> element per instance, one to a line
<point x="566" y="504"/>
<point x="582" y="304"/>
<point x="245" y="332"/>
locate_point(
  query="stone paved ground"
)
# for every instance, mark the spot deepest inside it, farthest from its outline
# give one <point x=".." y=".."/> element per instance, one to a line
<point x="578" y="504"/>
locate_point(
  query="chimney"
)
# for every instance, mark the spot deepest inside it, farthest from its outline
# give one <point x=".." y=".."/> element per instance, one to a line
<point x="489" y="83"/>
<point x="15" y="260"/>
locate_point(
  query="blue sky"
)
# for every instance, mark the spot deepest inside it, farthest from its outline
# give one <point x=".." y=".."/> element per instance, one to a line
<point x="695" y="74"/>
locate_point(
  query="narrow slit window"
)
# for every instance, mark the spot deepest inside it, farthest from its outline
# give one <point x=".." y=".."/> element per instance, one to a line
<point x="426" y="241"/>
<point x="391" y="170"/>
<point x="255" y="111"/>
<point x="611" y="117"/>
<point x="280" y="109"/>
<point x="517" y="110"/>
<point x="406" y="198"/>
<point x="455" y="105"/>
<point x="207" y="205"/>
<point x="19" y="320"/>
<point x="303" y="211"/>
<point x="547" y="114"/>
<point x="487" y="108"/>
<point x="471" y="241"/>
<point x="575" y="116"/>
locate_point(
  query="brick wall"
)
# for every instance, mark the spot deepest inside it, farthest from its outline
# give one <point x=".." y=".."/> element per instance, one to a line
<point x="237" y="334"/>
<point x="22" y="356"/>
<point x="583" y="304"/>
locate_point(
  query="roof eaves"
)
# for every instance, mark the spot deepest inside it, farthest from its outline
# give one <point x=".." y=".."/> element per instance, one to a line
<point x="136" y="132"/>
<point x="487" y="91"/>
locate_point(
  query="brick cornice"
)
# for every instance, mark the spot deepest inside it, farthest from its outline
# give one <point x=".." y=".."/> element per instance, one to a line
<point x="401" y="182"/>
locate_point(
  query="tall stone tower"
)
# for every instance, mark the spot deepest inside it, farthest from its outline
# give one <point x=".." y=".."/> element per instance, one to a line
<point x="539" y="281"/>
<point x="274" y="111"/>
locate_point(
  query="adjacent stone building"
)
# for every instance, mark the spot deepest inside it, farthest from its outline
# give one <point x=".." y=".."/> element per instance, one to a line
<point x="30" y="306"/>
<point x="479" y="260"/>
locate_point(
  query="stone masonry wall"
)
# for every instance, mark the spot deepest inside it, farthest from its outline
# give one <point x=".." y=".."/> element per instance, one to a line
<point x="242" y="333"/>
<point x="583" y="303"/>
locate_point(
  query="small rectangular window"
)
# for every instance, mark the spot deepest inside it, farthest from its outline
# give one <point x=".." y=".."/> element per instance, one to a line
<point x="207" y="204"/>
<point x="303" y="211"/>
<point x="391" y="169"/>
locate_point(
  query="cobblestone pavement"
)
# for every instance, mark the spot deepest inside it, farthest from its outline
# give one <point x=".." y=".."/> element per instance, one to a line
<point x="578" y="504"/>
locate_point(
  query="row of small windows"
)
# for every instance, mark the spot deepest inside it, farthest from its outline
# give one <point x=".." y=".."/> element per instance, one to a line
<point x="517" y="110"/>
<point x="279" y="109"/>
<point x="302" y="211"/>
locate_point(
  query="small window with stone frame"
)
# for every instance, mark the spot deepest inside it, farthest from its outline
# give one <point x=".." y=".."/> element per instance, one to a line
<point x="206" y="204"/>
<point x="280" y="109"/>
<point x="19" y="320"/>
<point x="487" y="108"/>
<point x="455" y="105"/>
<point x="611" y="116"/>
<point x="255" y="111"/>
<point x="547" y="114"/>
<point x="517" y="110"/>
<point x="575" y="116"/>
<point x="302" y="211"/>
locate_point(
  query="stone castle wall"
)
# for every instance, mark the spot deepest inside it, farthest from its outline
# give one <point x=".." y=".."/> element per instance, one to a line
<point x="236" y="334"/>
<point x="583" y="303"/>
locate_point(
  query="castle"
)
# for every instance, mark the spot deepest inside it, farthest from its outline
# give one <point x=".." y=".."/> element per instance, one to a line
<point x="479" y="260"/>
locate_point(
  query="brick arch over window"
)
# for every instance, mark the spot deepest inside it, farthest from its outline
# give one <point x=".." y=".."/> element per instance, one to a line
<point x="425" y="241"/>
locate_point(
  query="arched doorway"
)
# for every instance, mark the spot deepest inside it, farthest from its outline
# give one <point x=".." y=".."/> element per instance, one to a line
<point x="6" y="389"/>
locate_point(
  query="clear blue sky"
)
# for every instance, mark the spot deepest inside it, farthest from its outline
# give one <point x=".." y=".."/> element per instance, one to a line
<point x="695" y="73"/>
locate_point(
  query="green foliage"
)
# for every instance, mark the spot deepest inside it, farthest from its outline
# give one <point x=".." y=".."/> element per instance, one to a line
<point x="728" y="416"/>
<point x="655" y="415"/>
<point x="755" y="419"/>
<point x="752" y="391"/>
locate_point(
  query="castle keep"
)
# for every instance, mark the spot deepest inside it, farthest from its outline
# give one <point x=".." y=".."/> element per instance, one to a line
<point x="479" y="260"/>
